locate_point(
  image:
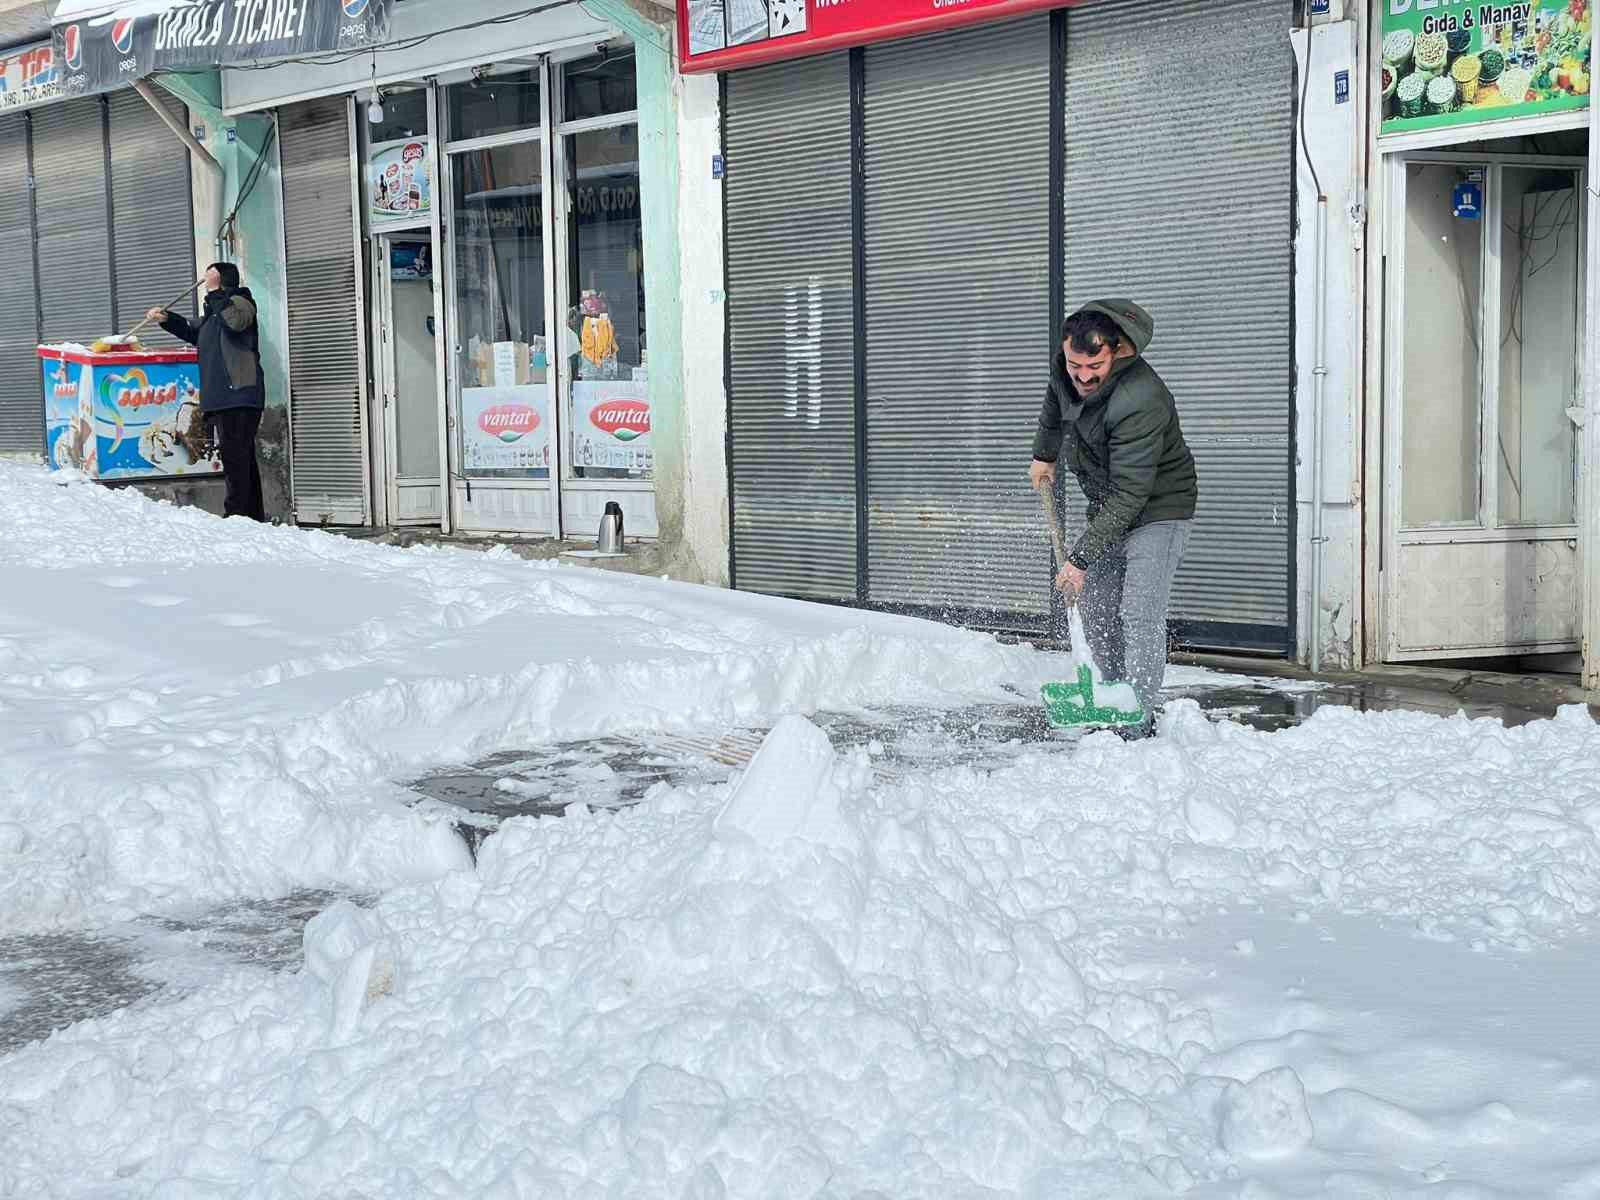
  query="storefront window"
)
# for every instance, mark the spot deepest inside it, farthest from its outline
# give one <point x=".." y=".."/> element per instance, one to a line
<point x="1444" y="292"/>
<point x="493" y="104"/>
<point x="405" y="115"/>
<point x="499" y="284"/>
<point x="601" y="86"/>
<point x="1539" y="304"/>
<point x="605" y="337"/>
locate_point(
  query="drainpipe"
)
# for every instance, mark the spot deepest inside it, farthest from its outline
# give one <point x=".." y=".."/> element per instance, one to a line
<point x="1319" y="360"/>
<point x="212" y="166"/>
<point x="1319" y="376"/>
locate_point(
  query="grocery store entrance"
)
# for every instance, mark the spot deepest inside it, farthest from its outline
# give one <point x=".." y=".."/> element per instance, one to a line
<point x="408" y="371"/>
<point x="1482" y="462"/>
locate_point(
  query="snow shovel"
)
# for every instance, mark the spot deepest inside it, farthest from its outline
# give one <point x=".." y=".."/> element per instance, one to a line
<point x="1089" y="700"/>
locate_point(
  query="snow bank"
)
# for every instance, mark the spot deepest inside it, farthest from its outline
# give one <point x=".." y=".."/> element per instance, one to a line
<point x="915" y="989"/>
<point x="193" y="709"/>
<point x="800" y="983"/>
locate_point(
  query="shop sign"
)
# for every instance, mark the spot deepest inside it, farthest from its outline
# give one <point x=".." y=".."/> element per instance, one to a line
<point x="716" y="35"/>
<point x="1449" y="63"/>
<point x="613" y="424"/>
<point x="505" y="428"/>
<point x="28" y="76"/>
<point x="399" y="179"/>
<point x="99" y="52"/>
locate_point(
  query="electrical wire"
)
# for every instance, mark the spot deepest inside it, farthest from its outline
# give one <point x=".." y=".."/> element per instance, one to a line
<point x="253" y="177"/>
<point x="1305" y="96"/>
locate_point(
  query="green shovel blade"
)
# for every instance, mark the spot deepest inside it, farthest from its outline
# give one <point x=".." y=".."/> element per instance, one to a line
<point x="1068" y="704"/>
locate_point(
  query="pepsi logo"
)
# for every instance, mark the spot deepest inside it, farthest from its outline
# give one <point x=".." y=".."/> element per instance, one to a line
<point x="353" y="8"/>
<point x="122" y="35"/>
<point x="72" y="46"/>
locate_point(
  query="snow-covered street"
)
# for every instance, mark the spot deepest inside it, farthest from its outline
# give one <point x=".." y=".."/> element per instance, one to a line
<point x="1350" y="958"/>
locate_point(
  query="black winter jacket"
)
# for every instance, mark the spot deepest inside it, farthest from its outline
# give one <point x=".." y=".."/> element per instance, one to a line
<point x="229" y="349"/>
<point x="1124" y="444"/>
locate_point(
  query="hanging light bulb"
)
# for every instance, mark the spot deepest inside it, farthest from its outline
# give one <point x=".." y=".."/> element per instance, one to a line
<point x="375" y="108"/>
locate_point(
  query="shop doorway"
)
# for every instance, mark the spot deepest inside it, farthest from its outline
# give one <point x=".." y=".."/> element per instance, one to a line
<point x="1483" y="323"/>
<point x="408" y="370"/>
<point x="550" y="402"/>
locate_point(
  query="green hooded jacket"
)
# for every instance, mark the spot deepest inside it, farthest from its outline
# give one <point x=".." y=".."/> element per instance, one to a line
<point x="1123" y="444"/>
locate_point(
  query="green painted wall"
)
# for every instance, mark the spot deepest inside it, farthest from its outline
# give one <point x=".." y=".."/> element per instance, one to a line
<point x="257" y="248"/>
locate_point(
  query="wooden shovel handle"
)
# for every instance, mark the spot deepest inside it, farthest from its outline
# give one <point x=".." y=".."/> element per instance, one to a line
<point x="1049" y="503"/>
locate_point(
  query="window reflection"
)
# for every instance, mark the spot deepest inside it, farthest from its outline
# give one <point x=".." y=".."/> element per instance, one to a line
<point x="604" y="338"/>
<point x="500" y="304"/>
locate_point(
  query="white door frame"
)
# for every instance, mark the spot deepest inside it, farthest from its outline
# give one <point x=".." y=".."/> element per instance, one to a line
<point x="637" y="496"/>
<point x="540" y="134"/>
<point x="385" y="374"/>
<point x="1589" y="541"/>
<point x="1484" y="528"/>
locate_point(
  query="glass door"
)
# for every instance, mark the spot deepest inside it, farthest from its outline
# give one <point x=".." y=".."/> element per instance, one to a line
<point x="1484" y="328"/>
<point x="501" y="262"/>
<point x="401" y="214"/>
<point x="609" y="445"/>
<point x="408" y="365"/>
<point x="550" y="387"/>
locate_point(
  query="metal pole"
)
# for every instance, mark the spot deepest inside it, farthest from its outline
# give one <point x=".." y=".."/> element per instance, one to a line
<point x="1319" y="376"/>
<point x="212" y="166"/>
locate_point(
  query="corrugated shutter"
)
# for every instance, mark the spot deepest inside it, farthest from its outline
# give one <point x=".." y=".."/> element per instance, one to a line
<point x="69" y="165"/>
<point x="152" y="222"/>
<point x="21" y="398"/>
<point x="1178" y="172"/>
<point x="791" y="346"/>
<point x="327" y="387"/>
<point x="957" y="156"/>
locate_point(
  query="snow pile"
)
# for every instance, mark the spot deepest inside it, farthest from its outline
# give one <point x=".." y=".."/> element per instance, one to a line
<point x="1089" y="973"/>
<point x="194" y="709"/>
<point x="792" y="789"/>
<point x="926" y="988"/>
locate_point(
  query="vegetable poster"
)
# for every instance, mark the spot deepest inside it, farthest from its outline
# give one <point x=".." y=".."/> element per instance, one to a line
<point x="1448" y="63"/>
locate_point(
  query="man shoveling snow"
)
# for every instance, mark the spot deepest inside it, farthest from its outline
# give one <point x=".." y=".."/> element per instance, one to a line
<point x="1108" y="415"/>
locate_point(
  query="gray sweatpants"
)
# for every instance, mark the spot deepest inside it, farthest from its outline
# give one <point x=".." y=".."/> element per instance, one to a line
<point x="1124" y="606"/>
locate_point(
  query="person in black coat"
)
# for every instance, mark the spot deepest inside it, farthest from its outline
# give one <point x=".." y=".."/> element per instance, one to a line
<point x="231" y="391"/>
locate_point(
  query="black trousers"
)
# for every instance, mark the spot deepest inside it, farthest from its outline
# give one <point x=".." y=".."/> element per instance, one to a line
<point x="236" y="440"/>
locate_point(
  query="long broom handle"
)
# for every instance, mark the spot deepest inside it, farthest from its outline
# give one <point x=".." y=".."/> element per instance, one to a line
<point x="187" y="292"/>
<point x="1049" y="502"/>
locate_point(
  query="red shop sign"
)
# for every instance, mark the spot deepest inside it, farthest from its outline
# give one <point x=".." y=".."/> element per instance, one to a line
<point x="710" y="37"/>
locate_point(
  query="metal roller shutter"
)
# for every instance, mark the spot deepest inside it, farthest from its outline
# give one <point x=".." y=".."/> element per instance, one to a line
<point x="957" y="155"/>
<point x="327" y="386"/>
<point x="69" y="167"/>
<point x="152" y="214"/>
<point x="21" y="398"/>
<point x="791" y="348"/>
<point x="1186" y="210"/>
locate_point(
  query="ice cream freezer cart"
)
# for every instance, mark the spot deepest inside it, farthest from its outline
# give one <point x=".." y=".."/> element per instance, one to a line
<point x="129" y="414"/>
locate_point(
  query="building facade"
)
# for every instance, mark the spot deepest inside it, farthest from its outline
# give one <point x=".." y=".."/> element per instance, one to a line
<point x="1390" y="470"/>
<point x="783" y="281"/>
<point x="909" y="213"/>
